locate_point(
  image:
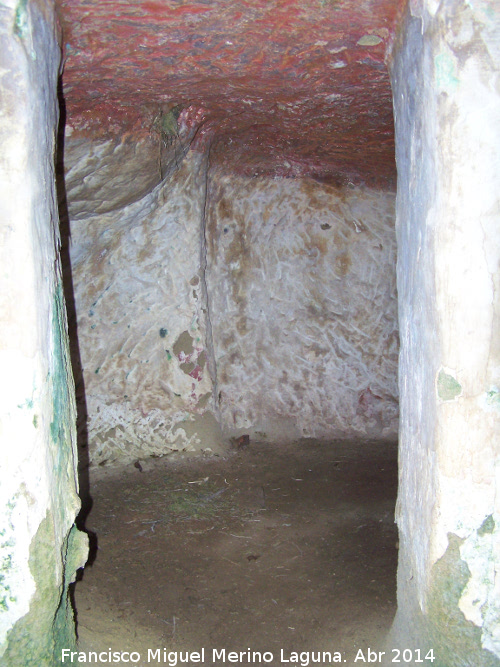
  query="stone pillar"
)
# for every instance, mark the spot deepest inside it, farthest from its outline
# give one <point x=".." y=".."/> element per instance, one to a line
<point x="40" y="549"/>
<point x="445" y="78"/>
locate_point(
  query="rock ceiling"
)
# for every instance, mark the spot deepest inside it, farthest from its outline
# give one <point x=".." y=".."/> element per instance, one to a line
<point x="281" y="88"/>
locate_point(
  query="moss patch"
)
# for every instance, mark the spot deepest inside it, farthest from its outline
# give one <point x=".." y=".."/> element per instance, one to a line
<point x="488" y="526"/>
<point x="455" y="640"/>
<point x="447" y="386"/>
<point x="37" y="638"/>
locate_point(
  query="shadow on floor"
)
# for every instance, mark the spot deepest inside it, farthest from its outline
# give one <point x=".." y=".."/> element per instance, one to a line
<point x="291" y="549"/>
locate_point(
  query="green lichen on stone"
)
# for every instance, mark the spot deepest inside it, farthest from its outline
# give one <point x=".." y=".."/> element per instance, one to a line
<point x="28" y="403"/>
<point x="75" y="551"/>
<point x="37" y="638"/>
<point x="7" y="544"/>
<point x="455" y="640"/>
<point x="488" y="526"/>
<point x="369" y="40"/>
<point x="446" y="71"/>
<point x="6" y="596"/>
<point x="61" y="376"/>
<point x="62" y="449"/>
<point x="447" y="386"/>
<point x="166" y="125"/>
<point x="493" y="398"/>
<point x="21" y="23"/>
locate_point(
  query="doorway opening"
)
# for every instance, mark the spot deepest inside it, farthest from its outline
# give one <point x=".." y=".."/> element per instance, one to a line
<point x="261" y="515"/>
<point x="233" y="314"/>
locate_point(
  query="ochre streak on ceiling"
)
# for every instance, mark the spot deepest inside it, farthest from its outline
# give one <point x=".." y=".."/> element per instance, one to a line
<point x="281" y="88"/>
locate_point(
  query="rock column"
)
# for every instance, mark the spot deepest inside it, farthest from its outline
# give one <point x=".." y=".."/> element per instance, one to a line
<point x="447" y="116"/>
<point x="40" y="549"/>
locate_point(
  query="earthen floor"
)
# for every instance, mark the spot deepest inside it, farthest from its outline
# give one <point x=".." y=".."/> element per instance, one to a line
<point x="278" y="550"/>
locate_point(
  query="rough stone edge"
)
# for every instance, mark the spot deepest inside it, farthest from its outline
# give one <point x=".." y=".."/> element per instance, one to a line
<point x="57" y="549"/>
<point x="439" y="624"/>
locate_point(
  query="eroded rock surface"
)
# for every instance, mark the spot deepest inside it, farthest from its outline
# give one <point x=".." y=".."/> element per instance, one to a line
<point x="302" y="293"/>
<point x="141" y="325"/>
<point x="40" y="548"/>
<point x="256" y="305"/>
<point x="284" y="88"/>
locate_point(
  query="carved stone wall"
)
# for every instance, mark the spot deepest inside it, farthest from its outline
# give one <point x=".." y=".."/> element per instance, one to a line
<point x="260" y="306"/>
<point x="303" y="304"/>
<point x="447" y="108"/>
<point x="141" y="322"/>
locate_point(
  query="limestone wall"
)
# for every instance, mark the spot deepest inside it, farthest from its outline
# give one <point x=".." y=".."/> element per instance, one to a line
<point x="445" y="75"/>
<point x="141" y="321"/>
<point x="303" y="305"/>
<point x="265" y="307"/>
<point x="39" y="548"/>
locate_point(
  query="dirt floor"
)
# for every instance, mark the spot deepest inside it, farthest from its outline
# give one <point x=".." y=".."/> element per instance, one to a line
<point x="277" y="550"/>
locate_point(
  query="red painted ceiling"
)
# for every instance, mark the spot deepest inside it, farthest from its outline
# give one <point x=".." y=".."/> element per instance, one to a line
<point x="282" y="87"/>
